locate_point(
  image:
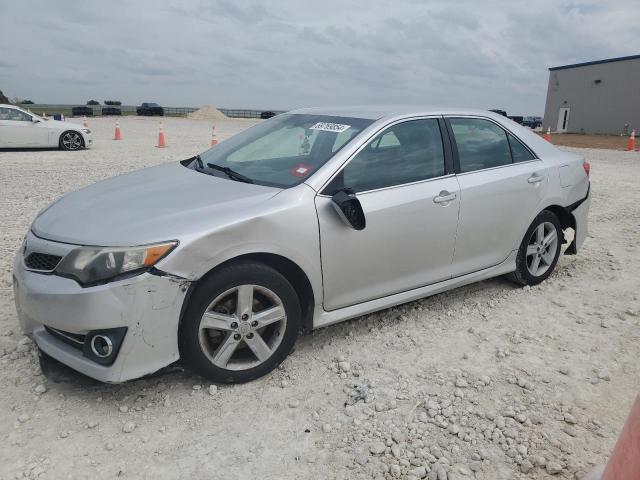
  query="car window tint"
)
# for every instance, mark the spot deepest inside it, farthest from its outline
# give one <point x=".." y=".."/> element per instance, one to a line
<point x="281" y="143"/>
<point x="15" y="115"/>
<point x="519" y="151"/>
<point x="389" y="139"/>
<point x="4" y="113"/>
<point x="404" y="153"/>
<point x="481" y="144"/>
<point x="342" y="138"/>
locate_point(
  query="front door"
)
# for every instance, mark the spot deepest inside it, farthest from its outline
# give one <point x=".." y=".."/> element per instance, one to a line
<point x="563" y="119"/>
<point x="18" y="130"/>
<point x="411" y="206"/>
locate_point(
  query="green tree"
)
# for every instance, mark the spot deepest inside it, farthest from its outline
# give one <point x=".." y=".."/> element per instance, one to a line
<point x="3" y="98"/>
<point x="93" y="102"/>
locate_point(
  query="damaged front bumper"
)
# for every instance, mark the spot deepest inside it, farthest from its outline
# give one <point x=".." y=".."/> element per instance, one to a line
<point x="138" y="318"/>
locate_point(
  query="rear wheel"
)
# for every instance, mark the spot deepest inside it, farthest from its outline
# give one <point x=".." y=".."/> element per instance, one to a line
<point x="539" y="251"/>
<point x="71" y="140"/>
<point x="240" y="324"/>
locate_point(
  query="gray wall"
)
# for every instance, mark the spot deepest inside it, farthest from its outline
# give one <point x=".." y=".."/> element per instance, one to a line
<point x="603" y="107"/>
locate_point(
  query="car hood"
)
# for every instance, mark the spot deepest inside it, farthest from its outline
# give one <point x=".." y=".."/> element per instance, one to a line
<point x="155" y="204"/>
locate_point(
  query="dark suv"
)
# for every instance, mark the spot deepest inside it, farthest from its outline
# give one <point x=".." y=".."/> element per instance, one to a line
<point x="150" y="109"/>
<point x="80" y="111"/>
<point x="111" y="110"/>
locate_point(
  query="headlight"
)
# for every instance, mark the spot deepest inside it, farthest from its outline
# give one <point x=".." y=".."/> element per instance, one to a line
<point x="86" y="130"/>
<point x="92" y="265"/>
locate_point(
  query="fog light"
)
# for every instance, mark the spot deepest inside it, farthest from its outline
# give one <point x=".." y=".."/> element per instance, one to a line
<point x="101" y="346"/>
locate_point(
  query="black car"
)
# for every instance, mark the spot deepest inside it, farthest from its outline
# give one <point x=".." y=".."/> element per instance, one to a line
<point x="80" y="111"/>
<point x="111" y="111"/>
<point x="150" y="109"/>
<point x="266" y="115"/>
<point x="532" y="122"/>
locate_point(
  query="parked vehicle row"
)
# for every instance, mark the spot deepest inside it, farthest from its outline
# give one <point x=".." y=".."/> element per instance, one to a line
<point x="304" y="220"/>
<point x="20" y="128"/>
<point x="147" y="109"/>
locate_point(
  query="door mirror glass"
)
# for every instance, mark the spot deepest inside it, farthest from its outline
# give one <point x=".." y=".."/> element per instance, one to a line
<point x="349" y="209"/>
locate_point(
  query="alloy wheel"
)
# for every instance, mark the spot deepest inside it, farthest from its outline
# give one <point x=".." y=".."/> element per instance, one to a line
<point x="71" y="141"/>
<point x="541" y="248"/>
<point x="242" y="327"/>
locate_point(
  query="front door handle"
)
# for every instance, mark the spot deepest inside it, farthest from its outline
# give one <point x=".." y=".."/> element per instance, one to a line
<point x="535" y="178"/>
<point x="444" y="197"/>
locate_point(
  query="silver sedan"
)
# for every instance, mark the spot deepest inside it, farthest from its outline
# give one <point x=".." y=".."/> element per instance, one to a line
<point x="305" y="220"/>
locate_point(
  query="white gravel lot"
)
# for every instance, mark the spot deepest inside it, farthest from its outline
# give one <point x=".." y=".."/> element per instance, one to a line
<point x="488" y="381"/>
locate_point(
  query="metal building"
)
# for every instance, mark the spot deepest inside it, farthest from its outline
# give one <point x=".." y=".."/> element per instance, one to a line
<point x="594" y="97"/>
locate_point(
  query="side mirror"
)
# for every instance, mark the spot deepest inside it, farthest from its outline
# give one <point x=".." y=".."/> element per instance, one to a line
<point x="35" y="120"/>
<point x="349" y="209"/>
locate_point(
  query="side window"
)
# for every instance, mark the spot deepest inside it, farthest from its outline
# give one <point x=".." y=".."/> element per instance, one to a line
<point x="404" y="153"/>
<point x="4" y="113"/>
<point x="481" y="144"/>
<point x="15" y="115"/>
<point x="518" y="151"/>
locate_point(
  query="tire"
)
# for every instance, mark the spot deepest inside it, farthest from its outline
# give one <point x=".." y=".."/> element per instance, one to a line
<point x="221" y="342"/>
<point x="71" y="140"/>
<point x="536" y="261"/>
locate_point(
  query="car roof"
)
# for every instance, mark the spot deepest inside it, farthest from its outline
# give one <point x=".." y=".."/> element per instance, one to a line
<point x="376" y="112"/>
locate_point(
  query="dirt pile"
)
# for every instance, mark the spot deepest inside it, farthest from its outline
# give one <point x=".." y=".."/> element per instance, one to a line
<point x="207" y="112"/>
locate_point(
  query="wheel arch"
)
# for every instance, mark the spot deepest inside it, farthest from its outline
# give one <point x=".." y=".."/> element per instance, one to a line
<point x="283" y="265"/>
<point x="566" y="219"/>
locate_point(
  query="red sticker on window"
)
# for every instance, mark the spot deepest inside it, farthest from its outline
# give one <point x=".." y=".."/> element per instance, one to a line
<point x="301" y="170"/>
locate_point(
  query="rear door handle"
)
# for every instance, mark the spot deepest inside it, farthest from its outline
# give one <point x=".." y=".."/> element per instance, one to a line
<point x="535" y="178"/>
<point x="444" y="197"/>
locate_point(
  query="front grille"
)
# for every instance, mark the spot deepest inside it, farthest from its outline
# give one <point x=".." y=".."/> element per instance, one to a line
<point x="73" y="339"/>
<point x="42" y="261"/>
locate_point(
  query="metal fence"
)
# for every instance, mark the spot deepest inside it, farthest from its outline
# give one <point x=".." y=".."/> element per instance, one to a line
<point x="50" y="109"/>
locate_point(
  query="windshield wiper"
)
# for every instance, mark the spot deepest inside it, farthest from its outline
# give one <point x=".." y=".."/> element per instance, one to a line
<point x="199" y="163"/>
<point x="232" y="174"/>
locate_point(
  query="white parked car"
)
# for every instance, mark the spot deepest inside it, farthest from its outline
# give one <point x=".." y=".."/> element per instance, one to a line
<point x="304" y="220"/>
<point x="22" y="129"/>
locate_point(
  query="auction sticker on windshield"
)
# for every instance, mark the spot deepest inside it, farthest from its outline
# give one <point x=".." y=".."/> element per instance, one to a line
<point x="330" y="127"/>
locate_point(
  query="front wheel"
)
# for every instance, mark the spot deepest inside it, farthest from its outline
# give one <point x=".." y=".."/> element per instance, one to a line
<point x="539" y="251"/>
<point x="240" y="324"/>
<point x="71" y="141"/>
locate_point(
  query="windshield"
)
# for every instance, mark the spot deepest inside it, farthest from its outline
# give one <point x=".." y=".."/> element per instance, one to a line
<point x="283" y="151"/>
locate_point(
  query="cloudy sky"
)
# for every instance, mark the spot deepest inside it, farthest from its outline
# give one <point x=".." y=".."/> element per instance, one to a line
<point x="283" y="54"/>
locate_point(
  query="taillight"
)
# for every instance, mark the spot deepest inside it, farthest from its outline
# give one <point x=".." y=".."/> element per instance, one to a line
<point x="587" y="167"/>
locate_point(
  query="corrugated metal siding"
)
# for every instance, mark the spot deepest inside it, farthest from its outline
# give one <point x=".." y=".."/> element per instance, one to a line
<point x="603" y="107"/>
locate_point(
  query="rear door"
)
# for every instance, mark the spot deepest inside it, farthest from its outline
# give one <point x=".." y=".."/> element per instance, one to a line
<point x="502" y="185"/>
<point x="410" y="199"/>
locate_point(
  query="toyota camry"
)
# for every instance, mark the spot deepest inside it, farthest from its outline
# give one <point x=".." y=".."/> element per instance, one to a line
<point x="307" y="219"/>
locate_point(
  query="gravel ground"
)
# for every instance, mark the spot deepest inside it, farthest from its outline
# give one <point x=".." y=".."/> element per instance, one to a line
<point x="487" y="381"/>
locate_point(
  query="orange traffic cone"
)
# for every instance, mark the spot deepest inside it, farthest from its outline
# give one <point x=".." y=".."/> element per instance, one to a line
<point x="631" y="143"/>
<point x="117" y="135"/>
<point x="624" y="463"/>
<point x="547" y="136"/>
<point x="85" y="124"/>
<point x="161" y="142"/>
<point x="214" y="140"/>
